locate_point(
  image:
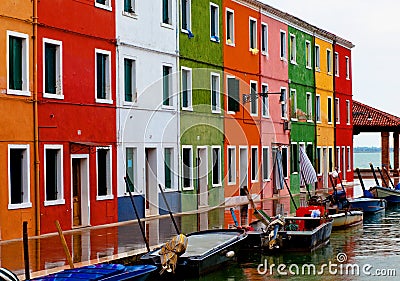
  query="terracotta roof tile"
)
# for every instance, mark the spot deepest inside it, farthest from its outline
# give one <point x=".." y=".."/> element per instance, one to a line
<point x="367" y="116"/>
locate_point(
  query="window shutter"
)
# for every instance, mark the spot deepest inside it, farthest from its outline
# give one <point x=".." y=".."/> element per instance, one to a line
<point x="184" y="15"/>
<point x="184" y="89"/>
<point x="213" y="23"/>
<point x="165" y="11"/>
<point x="165" y="86"/>
<point x="50" y="71"/>
<point x="101" y="76"/>
<point x="15" y="76"/>
<point x="233" y="94"/>
<point x="127" y="6"/>
<point x="167" y="170"/>
<point x="128" y="80"/>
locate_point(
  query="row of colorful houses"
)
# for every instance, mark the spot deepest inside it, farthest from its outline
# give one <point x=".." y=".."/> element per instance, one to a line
<point x="196" y="96"/>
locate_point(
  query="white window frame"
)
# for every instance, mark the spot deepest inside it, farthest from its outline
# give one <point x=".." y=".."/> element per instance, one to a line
<point x="338" y="158"/>
<point x="284" y="105"/>
<point x="134" y="79"/>
<point x="188" y="16"/>
<point x="212" y="38"/>
<point x="60" y="175"/>
<point x="336" y="64"/>
<point x="329" y="61"/>
<point x="25" y="64"/>
<point x="308" y="54"/>
<point x="170" y="14"/>
<point x="293" y="50"/>
<point x="267" y="158"/>
<point x="219" y="165"/>
<point x="107" y="6"/>
<point x="190" y="89"/>
<point x="347" y="68"/>
<point x="348" y="163"/>
<point x="218" y="97"/>
<point x="59" y="74"/>
<point x="108" y="99"/>
<point x="255" y="49"/>
<point x="309" y="106"/>
<point x="110" y="194"/>
<point x="133" y="12"/>
<point x="232" y="43"/>
<point x="191" y="187"/>
<point x="255" y="178"/>
<point x="283" y="45"/>
<point x="233" y="167"/>
<point x="317" y="58"/>
<point x="26" y="180"/>
<point x="170" y="89"/>
<point x="255" y="113"/>
<point x="318" y="108"/>
<point x="264" y="105"/>
<point x="264" y="38"/>
<point x="348" y="112"/>
<point x="294" y="105"/>
<point x="329" y="101"/>
<point x="135" y="169"/>
<point x="337" y="110"/>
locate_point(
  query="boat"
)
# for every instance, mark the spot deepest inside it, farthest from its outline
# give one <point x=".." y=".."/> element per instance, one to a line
<point x="390" y="195"/>
<point x="206" y="251"/>
<point x="346" y="218"/>
<point x="102" y="272"/>
<point x="368" y="205"/>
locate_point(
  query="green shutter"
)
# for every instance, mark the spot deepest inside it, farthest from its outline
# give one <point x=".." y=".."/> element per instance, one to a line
<point x="213" y="23"/>
<point x="167" y="168"/>
<point x="165" y="12"/>
<point x="50" y="68"/>
<point x="128" y="80"/>
<point x="214" y="93"/>
<point x="127" y="6"/>
<point x="166" y="85"/>
<point x="233" y="94"/>
<point x="130" y="168"/>
<point x="184" y="15"/>
<point x="15" y="63"/>
<point x="184" y="88"/>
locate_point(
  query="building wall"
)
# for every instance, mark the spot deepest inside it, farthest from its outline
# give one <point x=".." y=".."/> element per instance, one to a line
<point x="16" y="122"/>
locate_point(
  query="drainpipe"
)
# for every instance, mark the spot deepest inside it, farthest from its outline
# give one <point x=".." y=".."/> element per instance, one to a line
<point x="315" y="115"/>
<point x="35" y="119"/>
<point x="334" y="101"/>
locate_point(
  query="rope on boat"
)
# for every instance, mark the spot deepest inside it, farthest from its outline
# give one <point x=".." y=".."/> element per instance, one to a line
<point x="171" y="251"/>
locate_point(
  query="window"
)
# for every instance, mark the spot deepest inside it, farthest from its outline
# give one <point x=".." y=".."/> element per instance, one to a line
<point x="53" y="174"/>
<point x="230" y="27"/>
<point x="285" y="161"/>
<point x="292" y="48"/>
<point x="215" y="93"/>
<point x="253" y="34"/>
<point x="254" y="164"/>
<point x="293" y="102"/>
<point x="131" y="166"/>
<point x="104" y="4"/>
<point x="310" y="151"/>
<point x="337" y="111"/>
<point x="167" y="12"/>
<point x="308" y="54"/>
<point x="231" y="165"/>
<point x="129" y="6"/>
<point x="130" y="80"/>
<point x="347" y="68"/>
<point x="295" y="158"/>
<point x="233" y="94"/>
<point x="103" y="76"/>
<point x="283" y="103"/>
<point x="319" y="163"/>
<point x="187" y="167"/>
<point x="167" y="84"/>
<point x="309" y="106"/>
<point x="348" y="163"/>
<point x="318" y="108"/>
<point x="337" y="159"/>
<point x="264" y="38"/>
<point x="330" y="158"/>
<point x="18" y="177"/>
<point x="18" y="64"/>
<point x="168" y="167"/>
<point x="186" y="88"/>
<point x="330" y="110"/>
<point x="264" y="101"/>
<point x="52" y="68"/>
<point x="317" y="58"/>
<point x="348" y="112"/>
<point x="328" y="61"/>
<point x="336" y="64"/>
<point x="253" y="98"/>
<point x="104" y="188"/>
<point x="216" y="165"/>
<point x="283" y="45"/>
<point x="265" y="163"/>
<point x="214" y="22"/>
<point x="186" y="15"/>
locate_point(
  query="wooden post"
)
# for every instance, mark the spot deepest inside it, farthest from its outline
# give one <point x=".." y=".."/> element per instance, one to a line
<point x="396" y="154"/>
<point x="64" y="244"/>
<point x="26" y="249"/>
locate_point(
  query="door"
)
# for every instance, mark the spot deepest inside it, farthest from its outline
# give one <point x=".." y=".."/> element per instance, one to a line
<point x="80" y="190"/>
<point x="344" y="168"/>
<point x="76" y="192"/>
<point x="243" y="180"/>
<point x="151" y="181"/>
<point x="325" y="167"/>
<point x="202" y="177"/>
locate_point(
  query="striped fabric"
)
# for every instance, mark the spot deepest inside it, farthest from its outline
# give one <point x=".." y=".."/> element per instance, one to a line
<point x="308" y="174"/>
<point x="7" y="275"/>
<point x="278" y="171"/>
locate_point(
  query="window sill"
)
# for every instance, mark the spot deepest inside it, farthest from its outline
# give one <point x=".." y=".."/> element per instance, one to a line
<point x="336" y="75"/>
<point x="134" y="193"/>
<point x="308" y="67"/>
<point x="187" y="108"/>
<point x="264" y="53"/>
<point x="129" y="103"/>
<point x="295" y="173"/>
<point x="232" y="44"/>
<point x="217" y="185"/>
<point x="329" y="123"/>
<point x="283" y="59"/>
<point x="348" y="78"/>
<point x="254" y="114"/>
<point x="104" y="101"/>
<point x="266" y="180"/>
<point x="132" y="15"/>
<point x="214" y="39"/>
<point x="216" y="111"/>
<point x="54" y="202"/>
<point x="329" y="73"/>
<point x="293" y="62"/>
<point x="18" y="92"/>
<point x="294" y="119"/>
<point x="167" y="25"/>
<point x="53" y="96"/>
<point x="20" y="206"/>
<point x="187" y="188"/>
<point x="104" y="197"/>
<point x="317" y="69"/>
<point x="266" y="116"/>
<point x="101" y="6"/>
<point x="310" y="121"/>
<point x="319" y="122"/>
<point x="168" y="107"/>
<point x="231" y="183"/>
<point x="231" y="112"/>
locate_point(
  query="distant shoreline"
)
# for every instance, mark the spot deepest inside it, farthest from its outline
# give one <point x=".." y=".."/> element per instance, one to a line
<point x="369" y="149"/>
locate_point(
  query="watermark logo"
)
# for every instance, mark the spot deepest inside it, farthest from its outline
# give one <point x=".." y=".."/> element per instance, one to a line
<point x="340" y="267"/>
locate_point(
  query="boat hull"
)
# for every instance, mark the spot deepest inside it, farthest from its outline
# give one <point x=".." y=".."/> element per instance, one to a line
<point x="346" y="219"/>
<point x="368" y="205"/>
<point x="390" y="195"/>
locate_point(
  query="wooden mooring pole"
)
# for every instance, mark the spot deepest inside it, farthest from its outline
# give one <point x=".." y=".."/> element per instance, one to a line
<point x="64" y="244"/>
<point x="26" y="249"/>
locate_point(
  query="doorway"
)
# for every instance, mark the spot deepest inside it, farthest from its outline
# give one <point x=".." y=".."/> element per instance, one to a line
<point x="344" y="163"/>
<point x="202" y="177"/>
<point x="151" y="181"/>
<point x="80" y="190"/>
<point x="325" y="167"/>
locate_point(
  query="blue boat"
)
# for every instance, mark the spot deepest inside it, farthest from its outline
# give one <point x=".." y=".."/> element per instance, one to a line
<point x="390" y="195"/>
<point x="102" y="272"/>
<point x="368" y="205"/>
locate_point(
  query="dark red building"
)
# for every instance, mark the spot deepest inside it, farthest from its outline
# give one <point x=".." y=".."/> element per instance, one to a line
<point x="77" y="127"/>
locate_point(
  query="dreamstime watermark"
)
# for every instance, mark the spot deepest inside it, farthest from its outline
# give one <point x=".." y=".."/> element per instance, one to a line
<point x="332" y="268"/>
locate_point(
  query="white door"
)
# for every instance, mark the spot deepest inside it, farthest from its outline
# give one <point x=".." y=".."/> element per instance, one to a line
<point x="80" y="190"/>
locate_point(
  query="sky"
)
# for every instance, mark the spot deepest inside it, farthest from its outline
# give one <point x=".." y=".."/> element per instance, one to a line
<point x="374" y="28"/>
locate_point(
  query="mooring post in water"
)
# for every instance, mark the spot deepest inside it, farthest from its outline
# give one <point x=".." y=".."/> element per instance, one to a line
<point x="382" y="177"/>
<point x="64" y="244"/>
<point x="26" y="249"/>
<point x="388" y="175"/>
<point x="169" y="210"/>
<point x="373" y="173"/>
<point x="361" y="180"/>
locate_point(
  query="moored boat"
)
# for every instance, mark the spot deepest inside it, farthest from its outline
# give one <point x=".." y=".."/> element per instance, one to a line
<point x="368" y="205"/>
<point x="346" y="218"/>
<point x="390" y="195"/>
<point x="102" y="272"/>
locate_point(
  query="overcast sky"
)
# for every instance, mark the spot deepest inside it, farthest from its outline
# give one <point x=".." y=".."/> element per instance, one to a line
<point x="374" y="28"/>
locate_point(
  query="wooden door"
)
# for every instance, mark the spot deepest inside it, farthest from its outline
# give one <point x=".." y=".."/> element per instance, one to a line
<point x="76" y="191"/>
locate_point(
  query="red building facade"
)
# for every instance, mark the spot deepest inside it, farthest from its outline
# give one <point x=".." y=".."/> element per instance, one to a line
<point x="77" y="128"/>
